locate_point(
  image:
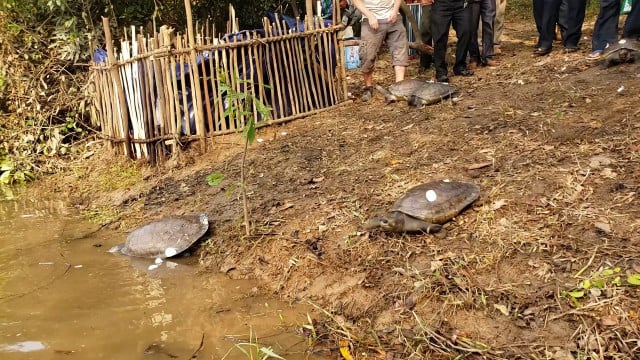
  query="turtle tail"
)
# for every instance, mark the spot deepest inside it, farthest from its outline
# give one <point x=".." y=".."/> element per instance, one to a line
<point x="388" y="96"/>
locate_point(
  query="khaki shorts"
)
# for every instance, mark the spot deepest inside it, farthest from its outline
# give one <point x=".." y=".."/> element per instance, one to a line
<point x="396" y="37"/>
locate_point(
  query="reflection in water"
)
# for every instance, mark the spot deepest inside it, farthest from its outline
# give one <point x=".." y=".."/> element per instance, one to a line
<point x="62" y="293"/>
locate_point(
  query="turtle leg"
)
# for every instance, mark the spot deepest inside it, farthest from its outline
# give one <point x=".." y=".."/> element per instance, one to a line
<point x="412" y="224"/>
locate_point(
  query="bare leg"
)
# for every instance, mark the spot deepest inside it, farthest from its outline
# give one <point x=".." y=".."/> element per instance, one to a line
<point x="368" y="79"/>
<point x="399" y="70"/>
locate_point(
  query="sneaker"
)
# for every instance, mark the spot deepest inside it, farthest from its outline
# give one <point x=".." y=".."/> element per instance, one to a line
<point x="595" y="55"/>
<point x="367" y="94"/>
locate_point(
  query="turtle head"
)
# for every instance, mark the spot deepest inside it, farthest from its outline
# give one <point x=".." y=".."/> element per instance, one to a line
<point x="388" y="96"/>
<point x="388" y="222"/>
<point x="416" y="101"/>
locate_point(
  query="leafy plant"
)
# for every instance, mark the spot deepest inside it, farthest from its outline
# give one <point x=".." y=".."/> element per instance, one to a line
<point x="601" y="280"/>
<point x="241" y="106"/>
<point x="254" y="351"/>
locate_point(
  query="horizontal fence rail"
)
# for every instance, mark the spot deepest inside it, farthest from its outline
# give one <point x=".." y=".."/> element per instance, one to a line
<point x="163" y="90"/>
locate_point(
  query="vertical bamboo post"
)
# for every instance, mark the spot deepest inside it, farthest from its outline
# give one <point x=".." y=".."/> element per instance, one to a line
<point x="118" y="83"/>
<point x="197" y="98"/>
<point x="308" y="17"/>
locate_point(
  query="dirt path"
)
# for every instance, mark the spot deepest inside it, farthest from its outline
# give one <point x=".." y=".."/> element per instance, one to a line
<point x="553" y="143"/>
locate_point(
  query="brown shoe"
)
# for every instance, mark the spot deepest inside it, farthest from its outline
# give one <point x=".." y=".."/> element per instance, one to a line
<point x="472" y="65"/>
<point x="491" y="63"/>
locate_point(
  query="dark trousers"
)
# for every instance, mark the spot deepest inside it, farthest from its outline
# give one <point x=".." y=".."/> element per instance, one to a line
<point x="570" y="19"/>
<point x="444" y="13"/>
<point x="426" y="60"/>
<point x="605" y="31"/>
<point x="545" y="14"/>
<point x="632" y="24"/>
<point x="484" y="10"/>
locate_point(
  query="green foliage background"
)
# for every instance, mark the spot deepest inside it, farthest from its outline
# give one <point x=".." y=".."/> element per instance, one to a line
<point x="45" y="50"/>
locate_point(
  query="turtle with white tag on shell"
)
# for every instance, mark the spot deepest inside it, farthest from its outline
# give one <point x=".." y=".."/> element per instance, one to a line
<point x="424" y="208"/>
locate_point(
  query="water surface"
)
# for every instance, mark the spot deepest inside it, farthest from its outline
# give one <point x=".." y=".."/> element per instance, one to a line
<point x="62" y="295"/>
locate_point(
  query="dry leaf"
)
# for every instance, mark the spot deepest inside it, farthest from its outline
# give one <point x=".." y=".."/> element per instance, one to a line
<point x="603" y="226"/>
<point x="563" y="355"/>
<point x="609" y="320"/>
<point x="479" y="165"/>
<point x="317" y="180"/>
<point x="599" y="160"/>
<point x="406" y="127"/>
<point x="503" y="309"/>
<point x="498" y="204"/>
<point x="608" y="173"/>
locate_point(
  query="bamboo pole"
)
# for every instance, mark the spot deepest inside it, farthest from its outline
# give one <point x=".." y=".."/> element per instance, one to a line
<point x="197" y="97"/>
<point x="277" y="84"/>
<point x="269" y="69"/>
<point x="298" y="63"/>
<point x="308" y="17"/>
<point x="287" y="72"/>
<point x="118" y="85"/>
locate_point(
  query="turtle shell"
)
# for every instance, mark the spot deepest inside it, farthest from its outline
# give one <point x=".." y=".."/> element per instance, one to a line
<point x="428" y="92"/>
<point x="437" y="202"/>
<point x="166" y="237"/>
<point x="622" y="44"/>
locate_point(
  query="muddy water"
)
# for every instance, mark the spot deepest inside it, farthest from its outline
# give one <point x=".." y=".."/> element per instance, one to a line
<point x="63" y="296"/>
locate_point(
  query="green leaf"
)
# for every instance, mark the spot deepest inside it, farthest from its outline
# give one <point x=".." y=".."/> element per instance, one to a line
<point x="214" y="179"/>
<point x="5" y="178"/>
<point x="585" y="284"/>
<point x="607" y="272"/>
<point x="617" y="281"/>
<point x="6" y="165"/>
<point x="634" y="279"/>
<point x="576" y="294"/>
<point x="598" y="283"/>
<point x="250" y="131"/>
<point x="270" y="352"/>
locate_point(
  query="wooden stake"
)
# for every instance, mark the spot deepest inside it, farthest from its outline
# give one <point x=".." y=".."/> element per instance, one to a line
<point x="197" y="96"/>
<point x="119" y="91"/>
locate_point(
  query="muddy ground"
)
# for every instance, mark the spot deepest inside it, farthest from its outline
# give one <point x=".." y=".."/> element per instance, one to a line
<point x="553" y="142"/>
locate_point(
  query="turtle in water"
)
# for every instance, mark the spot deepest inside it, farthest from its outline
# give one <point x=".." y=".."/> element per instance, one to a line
<point x="624" y="51"/>
<point x="164" y="238"/>
<point x="417" y="92"/>
<point x="425" y="207"/>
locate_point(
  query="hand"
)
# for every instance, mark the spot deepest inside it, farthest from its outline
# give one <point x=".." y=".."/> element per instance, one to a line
<point x="373" y="22"/>
<point x="393" y="18"/>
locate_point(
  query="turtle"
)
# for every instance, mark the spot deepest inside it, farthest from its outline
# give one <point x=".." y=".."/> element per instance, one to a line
<point x="623" y="51"/>
<point x="424" y="208"/>
<point x="165" y="237"/>
<point x="417" y="92"/>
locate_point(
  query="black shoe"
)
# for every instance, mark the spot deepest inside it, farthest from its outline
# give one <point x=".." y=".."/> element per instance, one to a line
<point x="463" y="72"/>
<point x="541" y="51"/>
<point x="442" y="78"/>
<point x="570" y="49"/>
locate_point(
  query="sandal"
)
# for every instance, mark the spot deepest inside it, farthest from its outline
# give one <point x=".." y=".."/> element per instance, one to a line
<point x="595" y="55"/>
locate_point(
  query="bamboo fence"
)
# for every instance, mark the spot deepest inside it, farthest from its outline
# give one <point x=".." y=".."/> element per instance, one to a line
<point x="166" y="89"/>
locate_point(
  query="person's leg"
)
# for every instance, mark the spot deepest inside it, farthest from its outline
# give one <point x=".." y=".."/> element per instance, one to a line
<point x="399" y="47"/>
<point x="548" y="25"/>
<point x="369" y="46"/>
<point x="488" y="15"/>
<point x="573" y="20"/>
<point x="426" y="60"/>
<point x="606" y="28"/>
<point x="632" y="24"/>
<point x="440" y="22"/>
<point x="498" y="25"/>
<point x="474" y="47"/>
<point x="461" y="21"/>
